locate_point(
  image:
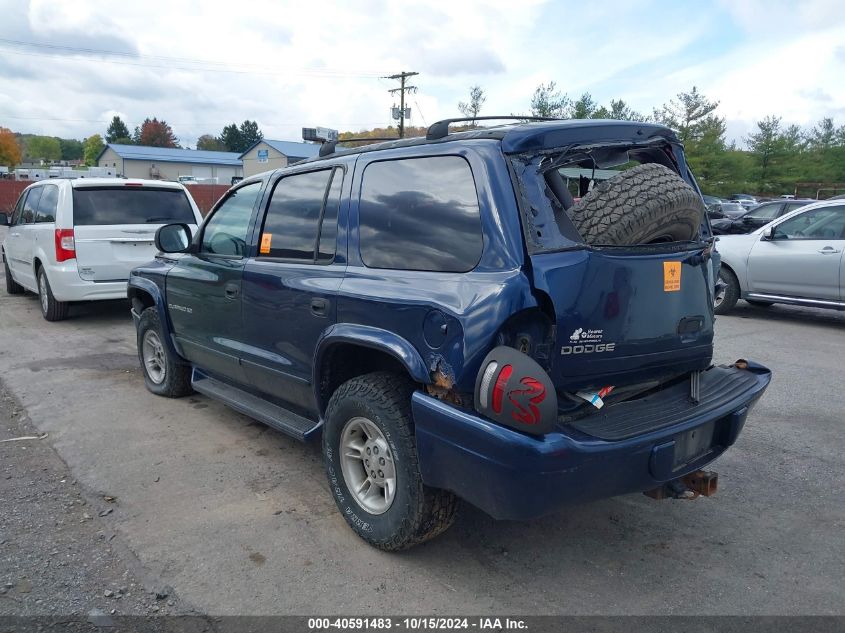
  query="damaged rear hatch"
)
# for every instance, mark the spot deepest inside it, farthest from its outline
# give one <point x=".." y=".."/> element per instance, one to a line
<point x="629" y="318"/>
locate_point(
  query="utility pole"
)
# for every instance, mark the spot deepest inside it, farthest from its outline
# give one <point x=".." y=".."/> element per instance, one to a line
<point x="401" y="90"/>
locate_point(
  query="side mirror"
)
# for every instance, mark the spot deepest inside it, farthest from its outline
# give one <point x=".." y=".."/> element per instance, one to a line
<point x="769" y="233"/>
<point x="173" y="238"/>
<point x="4" y="219"/>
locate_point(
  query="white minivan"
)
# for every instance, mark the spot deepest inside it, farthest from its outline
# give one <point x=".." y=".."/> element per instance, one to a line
<point x="77" y="240"/>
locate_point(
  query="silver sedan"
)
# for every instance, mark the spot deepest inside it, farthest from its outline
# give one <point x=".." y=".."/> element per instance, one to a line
<point x="795" y="259"/>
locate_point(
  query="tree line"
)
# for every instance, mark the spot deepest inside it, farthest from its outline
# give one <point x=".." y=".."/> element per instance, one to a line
<point x="778" y="157"/>
<point x="775" y="159"/>
<point x="152" y="132"/>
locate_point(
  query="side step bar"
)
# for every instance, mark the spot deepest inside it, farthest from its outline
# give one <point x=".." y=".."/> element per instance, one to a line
<point x="270" y="414"/>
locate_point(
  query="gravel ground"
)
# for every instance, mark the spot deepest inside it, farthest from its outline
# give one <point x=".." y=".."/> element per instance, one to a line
<point x="59" y="552"/>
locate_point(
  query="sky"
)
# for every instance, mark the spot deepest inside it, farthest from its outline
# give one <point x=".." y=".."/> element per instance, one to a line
<point x="67" y="67"/>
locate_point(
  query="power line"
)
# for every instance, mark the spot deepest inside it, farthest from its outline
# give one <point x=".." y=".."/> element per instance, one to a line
<point x="402" y="89"/>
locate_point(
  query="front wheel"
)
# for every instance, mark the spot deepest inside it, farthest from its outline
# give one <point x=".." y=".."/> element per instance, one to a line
<point x="371" y="462"/>
<point x="163" y="374"/>
<point x="728" y="295"/>
<point x="51" y="309"/>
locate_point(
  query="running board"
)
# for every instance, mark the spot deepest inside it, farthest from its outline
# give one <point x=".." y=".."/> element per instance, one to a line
<point x="796" y="301"/>
<point x="270" y="414"/>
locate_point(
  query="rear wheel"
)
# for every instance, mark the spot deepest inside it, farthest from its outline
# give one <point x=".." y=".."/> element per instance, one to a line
<point x="164" y="375"/>
<point x="728" y="295"/>
<point x="647" y="204"/>
<point x="371" y="462"/>
<point x="12" y="286"/>
<point x="52" y="309"/>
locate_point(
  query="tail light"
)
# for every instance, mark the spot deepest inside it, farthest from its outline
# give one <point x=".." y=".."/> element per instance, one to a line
<point x="512" y="389"/>
<point x="65" y="246"/>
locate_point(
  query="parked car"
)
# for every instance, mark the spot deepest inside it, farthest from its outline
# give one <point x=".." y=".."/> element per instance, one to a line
<point x="758" y="216"/>
<point x="77" y="240"/>
<point x="746" y="200"/>
<point x="714" y="207"/>
<point x="454" y="325"/>
<point x="733" y="210"/>
<point x="796" y="259"/>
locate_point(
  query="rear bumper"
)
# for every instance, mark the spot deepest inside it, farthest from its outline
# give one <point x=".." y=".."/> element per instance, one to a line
<point x="67" y="285"/>
<point x="511" y="475"/>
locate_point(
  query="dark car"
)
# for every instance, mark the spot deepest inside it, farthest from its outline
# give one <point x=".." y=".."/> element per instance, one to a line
<point x="714" y="207"/>
<point x="454" y="325"/>
<point x="733" y="210"/>
<point x="759" y="216"/>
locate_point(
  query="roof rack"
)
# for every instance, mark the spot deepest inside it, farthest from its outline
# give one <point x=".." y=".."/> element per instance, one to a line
<point x="329" y="146"/>
<point x="440" y="129"/>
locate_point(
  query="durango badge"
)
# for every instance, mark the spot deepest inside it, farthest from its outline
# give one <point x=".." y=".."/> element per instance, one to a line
<point x="512" y="389"/>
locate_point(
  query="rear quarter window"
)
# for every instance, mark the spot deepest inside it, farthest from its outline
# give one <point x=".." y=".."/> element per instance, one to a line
<point x="420" y="214"/>
<point x="130" y="205"/>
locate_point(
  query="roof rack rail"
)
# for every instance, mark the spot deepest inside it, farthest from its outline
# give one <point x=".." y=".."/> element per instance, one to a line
<point x="440" y="129"/>
<point x="329" y="146"/>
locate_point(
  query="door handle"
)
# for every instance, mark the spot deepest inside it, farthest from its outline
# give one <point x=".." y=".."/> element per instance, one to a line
<point x="232" y="290"/>
<point x="319" y="306"/>
<point x="829" y="250"/>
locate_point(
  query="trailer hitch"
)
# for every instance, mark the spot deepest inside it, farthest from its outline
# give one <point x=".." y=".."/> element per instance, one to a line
<point x="701" y="483"/>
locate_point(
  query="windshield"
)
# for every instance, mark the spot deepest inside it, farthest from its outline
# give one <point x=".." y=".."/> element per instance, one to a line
<point x="130" y="205"/>
<point x="552" y="181"/>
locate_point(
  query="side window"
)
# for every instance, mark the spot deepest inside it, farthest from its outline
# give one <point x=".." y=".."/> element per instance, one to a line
<point x="420" y="214"/>
<point x="30" y="205"/>
<point x="46" y="210"/>
<point x="327" y="244"/>
<point x="225" y="232"/>
<point x="826" y="223"/>
<point x="298" y="206"/>
<point x="16" y="214"/>
<point x="766" y="211"/>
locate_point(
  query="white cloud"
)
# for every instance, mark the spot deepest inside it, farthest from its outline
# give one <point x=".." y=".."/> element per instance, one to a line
<point x="296" y="64"/>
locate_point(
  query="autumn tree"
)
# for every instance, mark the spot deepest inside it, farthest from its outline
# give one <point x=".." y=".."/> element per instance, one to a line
<point x="155" y="133"/>
<point x="93" y="145"/>
<point x="211" y="143"/>
<point x="547" y="101"/>
<point x="117" y="132"/>
<point x="10" y="153"/>
<point x="471" y="108"/>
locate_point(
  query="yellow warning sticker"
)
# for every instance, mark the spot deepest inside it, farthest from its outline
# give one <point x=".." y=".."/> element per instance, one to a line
<point x="671" y="276"/>
<point x="266" y="241"/>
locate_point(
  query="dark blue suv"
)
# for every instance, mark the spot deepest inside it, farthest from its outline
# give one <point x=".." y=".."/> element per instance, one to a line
<point x="518" y="316"/>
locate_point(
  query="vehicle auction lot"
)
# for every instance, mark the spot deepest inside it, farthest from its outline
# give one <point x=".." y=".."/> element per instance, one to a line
<point x="238" y="518"/>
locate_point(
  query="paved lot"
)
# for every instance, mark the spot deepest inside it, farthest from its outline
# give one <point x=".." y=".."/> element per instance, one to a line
<point x="238" y="518"/>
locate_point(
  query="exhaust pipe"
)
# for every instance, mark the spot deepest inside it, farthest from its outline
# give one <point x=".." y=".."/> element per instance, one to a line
<point x="701" y="483"/>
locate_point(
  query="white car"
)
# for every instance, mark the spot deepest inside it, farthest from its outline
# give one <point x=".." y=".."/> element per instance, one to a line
<point x="797" y="259"/>
<point x="77" y="240"/>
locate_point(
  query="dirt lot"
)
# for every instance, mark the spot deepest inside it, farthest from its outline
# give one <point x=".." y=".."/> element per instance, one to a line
<point x="237" y="519"/>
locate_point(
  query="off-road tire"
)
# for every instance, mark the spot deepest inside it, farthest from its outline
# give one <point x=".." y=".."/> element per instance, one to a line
<point x="732" y="291"/>
<point x="646" y="204"/>
<point x="12" y="286"/>
<point x="51" y="309"/>
<point x="177" y="375"/>
<point x="418" y="512"/>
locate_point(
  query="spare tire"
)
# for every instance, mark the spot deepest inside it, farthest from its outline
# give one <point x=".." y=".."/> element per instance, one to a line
<point x="646" y="204"/>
